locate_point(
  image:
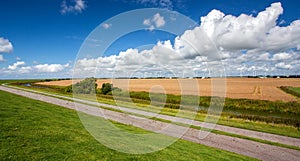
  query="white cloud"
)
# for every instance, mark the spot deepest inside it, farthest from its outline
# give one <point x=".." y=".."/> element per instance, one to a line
<point x="246" y="32"/>
<point x="5" y="46"/>
<point x="23" y="70"/>
<point x="282" y="38"/>
<point x="1" y="58"/>
<point x="158" y="20"/>
<point x="283" y="65"/>
<point x="50" y="68"/>
<point x="20" y="69"/>
<point x="76" y="6"/>
<point x="282" y="56"/>
<point x="155" y="22"/>
<point x="157" y="3"/>
<point x="246" y="45"/>
<point x="18" y="58"/>
<point x="16" y="65"/>
<point x="147" y="22"/>
<point x="106" y="25"/>
<point x="242" y="32"/>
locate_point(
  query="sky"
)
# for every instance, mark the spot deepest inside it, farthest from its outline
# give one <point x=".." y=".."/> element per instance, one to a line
<point x="184" y="38"/>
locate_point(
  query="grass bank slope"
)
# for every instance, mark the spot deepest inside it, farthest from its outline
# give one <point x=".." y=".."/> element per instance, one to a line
<point x="34" y="130"/>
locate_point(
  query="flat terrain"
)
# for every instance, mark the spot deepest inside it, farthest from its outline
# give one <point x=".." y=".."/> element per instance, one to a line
<point x="250" y="88"/>
<point x="237" y="145"/>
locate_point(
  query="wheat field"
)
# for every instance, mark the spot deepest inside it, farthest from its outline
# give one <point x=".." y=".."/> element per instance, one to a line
<point x="250" y="88"/>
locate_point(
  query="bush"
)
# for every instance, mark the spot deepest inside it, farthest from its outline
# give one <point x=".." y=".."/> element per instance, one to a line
<point x="87" y="86"/>
<point x="68" y="89"/>
<point x="106" y="88"/>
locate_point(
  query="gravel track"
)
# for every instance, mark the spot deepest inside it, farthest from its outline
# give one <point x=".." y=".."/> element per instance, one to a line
<point x="237" y="145"/>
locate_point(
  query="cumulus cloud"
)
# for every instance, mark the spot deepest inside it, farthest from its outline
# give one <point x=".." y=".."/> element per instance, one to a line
<point x="259" y="33"/>
<point x="282" y="38"/>
<point x="106" y="25"/>
<point x="155" y="22"/>
<point x="244" y="44"/>
<point x="242" y="32"/>
<point x="158" y="20"/>
<point x="73" y="6"/>
<point x="147" y="22"/>
<point x="16" y="65"/>
<point x="24" y="70"/>
<point x="283" y="65"/>
<point x="282" y="56"/>
<point x="5" y="45"/>
<point x="50" y="68"/>
<point x="20" y="68"/>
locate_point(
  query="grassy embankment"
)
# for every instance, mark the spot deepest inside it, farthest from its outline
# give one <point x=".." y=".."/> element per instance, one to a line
<point x="273" y="117"/>
<point x="34" y="130"/>
<point x="267" y="116"/>
<point x="292" y="90"/>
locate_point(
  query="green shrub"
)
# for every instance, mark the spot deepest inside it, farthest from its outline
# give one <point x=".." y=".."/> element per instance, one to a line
<point x="86" y="86"/>
<point x="106" y="88"/>
<point x="68" y="89"/>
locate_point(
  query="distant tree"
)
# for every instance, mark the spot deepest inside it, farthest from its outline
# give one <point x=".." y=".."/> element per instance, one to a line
<point x="106" y="88"/>
<point x="86" y="86"/>
<point x="68" y="89"/>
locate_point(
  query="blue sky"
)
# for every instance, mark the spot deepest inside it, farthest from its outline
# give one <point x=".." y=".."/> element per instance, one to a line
<point x="41" y="39"/>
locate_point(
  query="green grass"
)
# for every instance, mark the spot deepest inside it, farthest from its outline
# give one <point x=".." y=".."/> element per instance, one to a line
<point x="226" y="119"/>
<point x="247" y="106"/>
<point x="285" y="129"/>
<point x="34" y="130"/>
<point x="19" y="80"/>
<point x="291" y="90"/>
<point x="275" y="112"/>
<point x="230" y="134"/>
<point x="296" y="89"/>
<point x="280" y="129"/>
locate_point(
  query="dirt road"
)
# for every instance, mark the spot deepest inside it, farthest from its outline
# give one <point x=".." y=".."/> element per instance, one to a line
<point x="237" y="145"/>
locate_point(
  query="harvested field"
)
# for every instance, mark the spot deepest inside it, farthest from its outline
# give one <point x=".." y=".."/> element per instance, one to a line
<point x="251" y="88"/>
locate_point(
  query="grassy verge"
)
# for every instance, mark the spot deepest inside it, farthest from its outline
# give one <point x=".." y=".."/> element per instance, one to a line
<point x="34" y="130"/>
<point x="257" y="110"/>
<point x="232" y="135"/>
<point x="291" y="90"/>
<point x="280" y="129"/>
<point x="275" y="117"/>
<point x="196" y="127"/>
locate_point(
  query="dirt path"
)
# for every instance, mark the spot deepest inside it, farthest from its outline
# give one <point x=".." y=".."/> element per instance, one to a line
<point x="237" y="145"/>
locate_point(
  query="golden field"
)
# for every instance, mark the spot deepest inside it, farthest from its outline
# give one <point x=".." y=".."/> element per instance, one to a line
<point x="251" y="88"/>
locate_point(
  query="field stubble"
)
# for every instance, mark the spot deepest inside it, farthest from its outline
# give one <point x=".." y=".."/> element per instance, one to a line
<point x="249" y="88"/>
